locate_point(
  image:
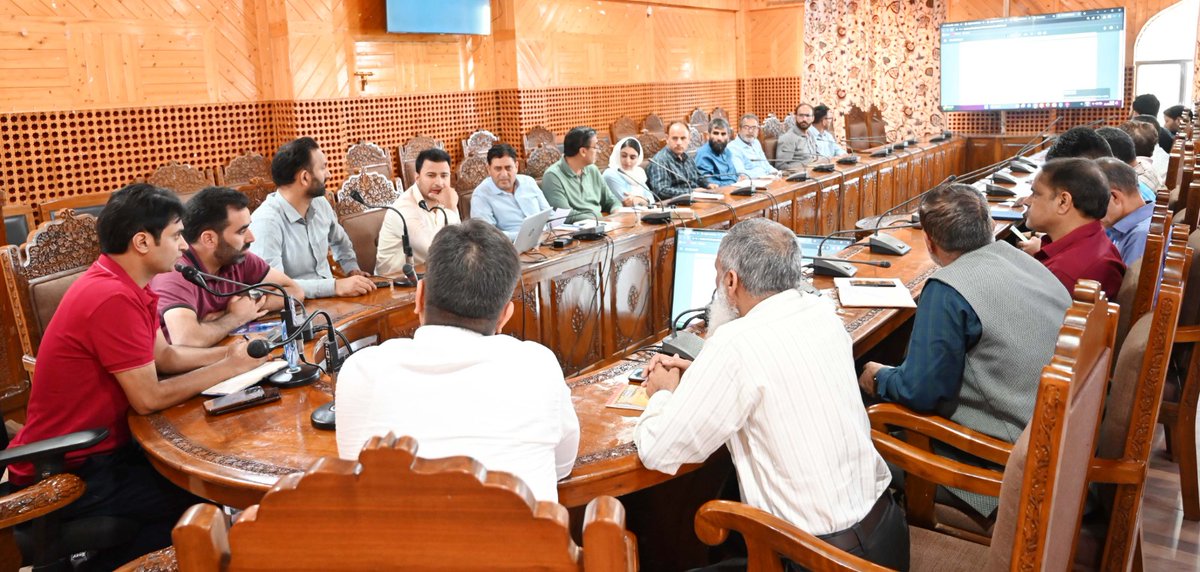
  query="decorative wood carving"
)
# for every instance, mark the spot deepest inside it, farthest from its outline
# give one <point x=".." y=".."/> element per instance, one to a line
<point x="650" y="144"/>
<point x="772" y="127"/>
<point x="696" y="137"/>
<point x="720" y="112"/>
<point x="408" y="157"/>
<point x="478" y="143"/>
<point x="604" y="150"/>
<point x="867" y="196"/>
<point x="48" y="495"/>
<point x="185" y="180"/>
<point x="367" y="157"/>
<point x="538" y="137"/>
<point x="157" y="561"/>
<point x="700" y="119"/>
<point x="540" y="159"/>
<point x="623" y="127"/>
<point x="654" y="124"/>
<point x="471" y="172"/>
<point x="256" y="190"/>
<point x="576" y="322"/>
<point x="375" y="189"/>
<point x="245" y="168"/>
<point x="632" y="290"/>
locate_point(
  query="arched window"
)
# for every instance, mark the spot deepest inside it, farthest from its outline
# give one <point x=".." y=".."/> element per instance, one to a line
<point x="1164" y="52"/>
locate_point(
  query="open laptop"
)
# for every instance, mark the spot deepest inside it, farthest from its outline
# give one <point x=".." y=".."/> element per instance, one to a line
<point x="530" y="234"/>
<point x="695" y="268"/>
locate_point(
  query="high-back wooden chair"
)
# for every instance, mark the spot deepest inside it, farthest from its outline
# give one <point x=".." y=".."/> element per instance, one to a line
<point x="1179" y="412"/>
<point x="653" y="124"/>
<point x="471" y="172"/>
<point x="696" y="137"/>
<point x="699" y="119"/>
<point x="361" y="224"/>
<point x="90" y="204"/>
<point x="392" y="510"/>
<point x="18" y="221"/>
<point x="408" y="158"/>
<point x="1138" y="285"/>
<point x="877" y="127"/>
<point x="256" y="190"/>
<point x="367" y="157"/>
<point x="478" y="143"/>
<point x="376" y="189"/>
<point x="772" y="128"/>
<point x="541" y="158"/>
<point x="1042" y="488"/>
<point x="720" y="112"/>
<point x="604" y="147"/>
<point x="623" y="127"/>
<point x="538" y="137"/>
<point x="39" y="273"/>
<point x="858" y="129"/>
<point x="1131" y="414"/>
<point x="243" y="169"/>
<point x="184" y="180"/>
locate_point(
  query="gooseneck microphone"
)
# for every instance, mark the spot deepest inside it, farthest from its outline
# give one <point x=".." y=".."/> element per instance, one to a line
<point x="410" y="274"/>
<point x="841" y="267"/>
<point x="297" y="373"/>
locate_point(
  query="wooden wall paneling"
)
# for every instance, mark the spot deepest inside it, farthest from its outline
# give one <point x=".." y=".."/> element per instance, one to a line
<point x="573" y="328"/>
<point x="689" y="45"/>
<point x="869" y="201"/>
<point x="577" y="42"/>
<point x="774" y="43"/>
<point x="526" y="321"/>
<point x="318" y="48"/>
<point x="981" y="152"/>
<point x="630" y="322"/>
<point x="852" y="200"/>
<point x="806" y="205"/>
<point x="916" y="174"/>
<point x="900" y="186"/>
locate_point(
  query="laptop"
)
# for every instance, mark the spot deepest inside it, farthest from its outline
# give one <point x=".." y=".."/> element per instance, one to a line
<point x="530" y="234"/>
<point x="695" y="265"/>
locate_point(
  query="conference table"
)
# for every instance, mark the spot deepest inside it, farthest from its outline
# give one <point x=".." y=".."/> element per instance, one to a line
<point x="594" y="305"/>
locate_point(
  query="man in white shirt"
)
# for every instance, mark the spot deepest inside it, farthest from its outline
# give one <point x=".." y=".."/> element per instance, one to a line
<point x="776" y="384"/>
<point x="822" y="137"/>
<point x="748" y="156"/>
<point x="457" y="386"/>
<point x="428" y="206"/>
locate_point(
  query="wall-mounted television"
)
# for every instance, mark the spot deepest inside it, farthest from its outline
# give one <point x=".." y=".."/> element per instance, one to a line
<point x="1069" y="59"/>
<point x="442" y="17"/>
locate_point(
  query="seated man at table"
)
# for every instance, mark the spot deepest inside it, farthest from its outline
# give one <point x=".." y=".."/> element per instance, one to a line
<point x="1122" y="148"/>
<point x="506" y="198"/>
<point x="985" y="326"/>
<point x="1128" y="218"/>
<point x="1081" y="142"/>
<point x="296" y="227"/>
<point x="714" y="160"/>
<point x="796" y="149"/>
<point x="458" y="386"/>
<point x="216" y="227"/>
<point x="1145" y="108"/>
<point x="574" y="182"/>
<point x="672" y="171"/>
<point x="428" y="206"/>
<point x="102" y="354"/>
<point x="1145" y="147"/>
<point x="775" y="384"/>
<point x="1070" y="197"/>
<point x="748" y="156"/>
<point x="820" y="134"/>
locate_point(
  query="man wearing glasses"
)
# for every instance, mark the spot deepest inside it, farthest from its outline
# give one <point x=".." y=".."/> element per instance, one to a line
<point x="748" y="156"/>
<point x="796" y="149"/>
<point x="574" y="182"/>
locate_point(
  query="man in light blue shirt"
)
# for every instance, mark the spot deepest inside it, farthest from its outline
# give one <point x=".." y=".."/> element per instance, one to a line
<point x="826" y="143"/>
<point x="506" y="199"/>
<point x="714" y="159"/>
<point x="748" y="156"/>
<point x="1128" y="218"/>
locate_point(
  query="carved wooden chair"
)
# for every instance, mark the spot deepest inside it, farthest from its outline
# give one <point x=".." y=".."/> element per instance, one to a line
<point x="82" y="204"/>
<point x="18" y="221"/>
<point x="1137" y="286"/>
<point x="541" y="158"/>
<point x="858" y="129"/>
<point x="408" y="158"/>
<point x="184" y="180"/>
<point x="375" y="188"/>
<point x="700" y="119"/>
<point x="538" y="137"/>
<point x="653" y="124"/>
<point x="244" y="169"/>
<point x="392" y="510"/>
<point x="1179" y="412"/>
<point x="39" y="273"/>
<point x="720" y="112"/>
<point x="367" y="157"/>
<point x="603" y="151"/>
<point x="1042" y="488"/>
<point x="478" y="144"/>
<point x="623" y="127"/>
<point x="256" y="190"/>
<point x="651" y="144"/>
<point x="471" y="172"/>
<point x="1132" y="411"/>
<point x="772" y="129"/>
<point x="877" y="125"/>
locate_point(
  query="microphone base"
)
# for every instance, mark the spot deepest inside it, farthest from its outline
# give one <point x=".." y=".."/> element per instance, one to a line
<point x="825" y="267"/>
<point x="589" y="234"/>
<point x="848" y="160"/>
<point x="324" y="417"/>
<point x="998" y="191"/>
<point x="287" y="379"/>
<point x="888" y="244"/>
<point x="746" y="192"/>
<point x="1020" y="167"/>
<point x="659" y="217"/>
<point x="825" y="168"/>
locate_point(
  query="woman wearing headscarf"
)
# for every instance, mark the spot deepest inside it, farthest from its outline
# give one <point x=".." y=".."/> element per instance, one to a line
<point x="625" y="177"/>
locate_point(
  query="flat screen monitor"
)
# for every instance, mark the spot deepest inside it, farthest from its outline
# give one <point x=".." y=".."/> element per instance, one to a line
<point x="696" y="272"/>
<point x="444" y="17"/>
<point x="1070" y="59"/>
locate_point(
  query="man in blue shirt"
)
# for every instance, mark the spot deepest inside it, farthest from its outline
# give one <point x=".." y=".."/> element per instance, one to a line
<point x="506" y="199"/>
<point x="1128" y="218"/>
<point x="819" y="132"/>
<point x="748" y="156"/>
<point x="714" y="159"/>
<point x="986" y="324"/>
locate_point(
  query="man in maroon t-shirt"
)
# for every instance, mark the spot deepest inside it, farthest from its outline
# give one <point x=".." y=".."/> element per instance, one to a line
<point x="1070" y="196"/>
<point x="102" y="354"/>
<point x="216" y="226"/>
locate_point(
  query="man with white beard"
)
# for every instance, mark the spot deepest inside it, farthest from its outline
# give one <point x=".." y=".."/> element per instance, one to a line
<point x="776" y="384"/>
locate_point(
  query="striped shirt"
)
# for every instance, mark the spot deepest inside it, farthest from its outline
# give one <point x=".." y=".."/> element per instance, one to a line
<point x="777" y="386"/>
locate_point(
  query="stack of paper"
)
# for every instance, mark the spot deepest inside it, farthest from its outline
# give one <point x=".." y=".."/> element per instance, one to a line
<point x="244" y="380"/>
<point x="873" y="293"/>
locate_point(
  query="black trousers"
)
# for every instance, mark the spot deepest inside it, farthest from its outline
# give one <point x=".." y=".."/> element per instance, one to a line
<point x="886" y="545"/>
<point x="123" y="484"/>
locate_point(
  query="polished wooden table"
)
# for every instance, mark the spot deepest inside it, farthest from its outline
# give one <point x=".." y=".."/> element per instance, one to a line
<point x="593" y="305"/>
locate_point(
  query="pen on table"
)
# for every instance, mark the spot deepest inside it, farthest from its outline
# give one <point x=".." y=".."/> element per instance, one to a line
<point x="873" y="284"/>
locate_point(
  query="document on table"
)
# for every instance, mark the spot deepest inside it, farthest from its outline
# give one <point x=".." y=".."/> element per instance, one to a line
<point x="873" y="293"/>
<point x="244" y="380"/>
<point x="758" y="183"/>
<point x="703" y="196"/>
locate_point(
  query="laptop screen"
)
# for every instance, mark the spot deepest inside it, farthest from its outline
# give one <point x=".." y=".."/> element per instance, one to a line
<point x="695" y="264"/>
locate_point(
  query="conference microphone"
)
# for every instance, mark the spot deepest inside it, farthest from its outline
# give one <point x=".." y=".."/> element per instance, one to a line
<point x="888" y="244"/>
<point x="835" y="266"/>
<point x="945" y="136"/>
<point x="410" y="273"/>
<point x="841" y="267"/>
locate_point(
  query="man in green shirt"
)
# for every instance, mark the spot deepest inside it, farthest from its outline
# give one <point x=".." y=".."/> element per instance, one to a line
<point x="574" y="182"/>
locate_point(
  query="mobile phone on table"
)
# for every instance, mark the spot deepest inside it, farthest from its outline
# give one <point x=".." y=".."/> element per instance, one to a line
<point x="638" y="375"/>
<point x="248" y="397"/>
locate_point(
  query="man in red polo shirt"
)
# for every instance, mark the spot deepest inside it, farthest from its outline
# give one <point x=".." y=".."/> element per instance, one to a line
<point x="102" y="354"/>
<point x="217" y="229"/>
<point x="1070" y="196"/>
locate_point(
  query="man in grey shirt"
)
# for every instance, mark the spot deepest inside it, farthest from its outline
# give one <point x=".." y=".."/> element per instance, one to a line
<point x="295" y="226"/>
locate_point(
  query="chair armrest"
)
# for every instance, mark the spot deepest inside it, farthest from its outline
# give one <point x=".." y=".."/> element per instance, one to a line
<point x="607" y="545"/>
<point x="158" y="561"/>
<point x="769" y="537"/>
<point x="46" y="496"/>
<point x="48" y="455"/>
<point x="1187" y="334"/>
<point x="940" y="429"/>
<point x="935" y="468"/>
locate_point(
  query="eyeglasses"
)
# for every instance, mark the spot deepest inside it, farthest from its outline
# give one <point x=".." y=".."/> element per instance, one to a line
<point x="750" y="127"/>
